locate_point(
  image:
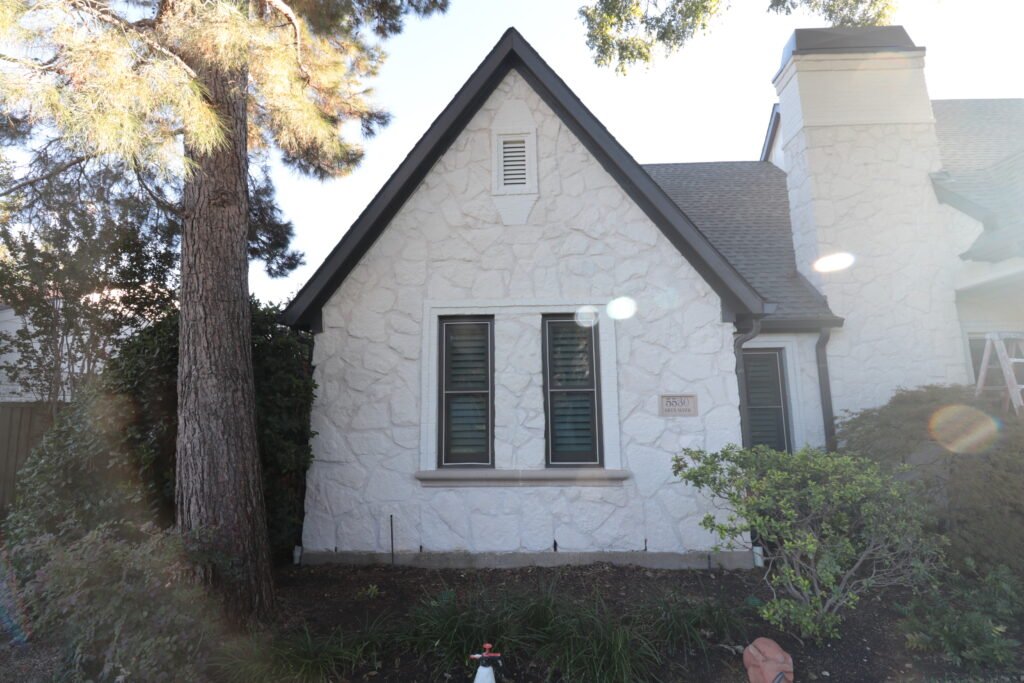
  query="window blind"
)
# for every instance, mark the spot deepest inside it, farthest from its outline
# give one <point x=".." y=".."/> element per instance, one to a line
<point x="571" y="392"/>
<point x="466" y="400"/>
<point x="767" y="402"/>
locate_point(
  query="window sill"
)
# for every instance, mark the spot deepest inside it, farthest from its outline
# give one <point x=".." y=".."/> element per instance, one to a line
<point x="563" y="476"/>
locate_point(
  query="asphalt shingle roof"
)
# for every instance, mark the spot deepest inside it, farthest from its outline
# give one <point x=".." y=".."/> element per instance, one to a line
<point x="982" y="148"/>
<point x="976" y="134"/>
<point x="742" y="207"/>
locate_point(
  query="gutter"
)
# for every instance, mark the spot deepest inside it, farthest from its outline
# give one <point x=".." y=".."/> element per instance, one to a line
<point x="825" y="387"/>
<point x="741" y="376"/>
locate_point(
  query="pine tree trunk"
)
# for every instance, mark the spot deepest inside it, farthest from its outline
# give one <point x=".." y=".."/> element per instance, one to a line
<point x="219" y="494"/>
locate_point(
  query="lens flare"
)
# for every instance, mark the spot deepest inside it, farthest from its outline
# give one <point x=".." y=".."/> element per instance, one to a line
<point x="832" y="263"/>
<point x="963" y="429"/>
<point x="621" y="308"/>
<point x="586" y="316"/>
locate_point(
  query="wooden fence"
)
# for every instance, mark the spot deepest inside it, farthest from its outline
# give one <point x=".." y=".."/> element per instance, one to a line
<point x="22" y="425"/>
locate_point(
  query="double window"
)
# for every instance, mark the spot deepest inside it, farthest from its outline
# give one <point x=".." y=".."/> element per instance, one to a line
<point x="466" y="392"/>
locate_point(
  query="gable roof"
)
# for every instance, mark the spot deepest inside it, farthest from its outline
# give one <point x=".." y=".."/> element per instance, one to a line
<point x="513" y="52"/>
<point x="742" y="207"/>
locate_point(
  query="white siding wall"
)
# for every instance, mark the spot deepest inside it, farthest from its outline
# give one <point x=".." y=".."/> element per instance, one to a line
<point x="447" y="249"/>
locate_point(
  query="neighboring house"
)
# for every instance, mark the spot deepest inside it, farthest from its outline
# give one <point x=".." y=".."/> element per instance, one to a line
<point x="9" y="323"/>
<point x="480" y="403"/>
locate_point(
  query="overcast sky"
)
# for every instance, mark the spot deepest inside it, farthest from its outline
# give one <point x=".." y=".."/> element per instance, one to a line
<point x="708" y="102"/>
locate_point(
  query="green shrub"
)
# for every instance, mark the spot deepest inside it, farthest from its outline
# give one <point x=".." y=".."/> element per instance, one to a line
<point x="122" y="606"/>
<point x="110" y="456"/>
<point x="833" y="527"/>
<point x="964" y="617"/>
<point x="981" y="508"/>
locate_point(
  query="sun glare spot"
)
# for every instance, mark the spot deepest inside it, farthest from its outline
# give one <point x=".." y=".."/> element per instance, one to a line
<point x="834" y="262"/>
<point x="586" y="316"/>
<point x="963" y="429"/>
<point x="621" y="308"/>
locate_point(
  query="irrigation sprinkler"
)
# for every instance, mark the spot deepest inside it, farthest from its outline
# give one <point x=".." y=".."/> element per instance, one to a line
<point x="489" y="661"/>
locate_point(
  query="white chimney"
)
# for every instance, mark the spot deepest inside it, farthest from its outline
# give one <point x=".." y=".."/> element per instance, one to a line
<point x="858" y="143"/>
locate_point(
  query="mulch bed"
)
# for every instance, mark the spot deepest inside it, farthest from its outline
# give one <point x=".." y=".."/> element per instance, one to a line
<point x="327" y="597"/>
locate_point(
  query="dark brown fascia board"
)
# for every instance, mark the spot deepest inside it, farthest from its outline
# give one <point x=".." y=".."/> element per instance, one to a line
<point x="773" y="129"/>
<point x="512" y="51"/>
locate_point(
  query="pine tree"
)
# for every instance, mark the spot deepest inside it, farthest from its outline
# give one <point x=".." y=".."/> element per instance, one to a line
<point x="626" y="32"/>
<point x="192" y="87"/>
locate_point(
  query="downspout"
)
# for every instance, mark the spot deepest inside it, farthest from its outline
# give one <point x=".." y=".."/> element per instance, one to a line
<point x="825" y="387"/>
<point x="741" y="376"/>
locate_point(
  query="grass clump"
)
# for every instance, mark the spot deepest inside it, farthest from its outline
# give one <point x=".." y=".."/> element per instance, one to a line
<point x="302" y="656"/>
<point x="564" y="639"/>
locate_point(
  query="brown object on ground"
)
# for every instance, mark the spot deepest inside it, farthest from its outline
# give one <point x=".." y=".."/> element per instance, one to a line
<point x="765" y="660"/>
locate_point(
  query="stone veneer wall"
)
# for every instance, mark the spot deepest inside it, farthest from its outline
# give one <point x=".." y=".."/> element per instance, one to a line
<point x="585" y="241"/>
<point x="865" y="189"/>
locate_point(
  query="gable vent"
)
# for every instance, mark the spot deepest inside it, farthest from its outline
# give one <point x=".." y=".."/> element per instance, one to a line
<point x="513" y="162"/>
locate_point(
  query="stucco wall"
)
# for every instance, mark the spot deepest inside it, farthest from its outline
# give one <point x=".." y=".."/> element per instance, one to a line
<point x="584" y="242"/>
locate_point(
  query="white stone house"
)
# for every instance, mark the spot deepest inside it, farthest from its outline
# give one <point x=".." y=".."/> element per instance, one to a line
<point x="480" y="402"/>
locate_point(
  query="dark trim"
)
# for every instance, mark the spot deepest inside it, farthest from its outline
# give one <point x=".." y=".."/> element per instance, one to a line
<point x="741" y="376"/>
<point x="441" y="377"/>
<point x="825" y="389"/>
<point x="787" y="407"/>
<point x="512" y="51"/>
<point x="598" y="422"/>
<point x="773" y="129"/>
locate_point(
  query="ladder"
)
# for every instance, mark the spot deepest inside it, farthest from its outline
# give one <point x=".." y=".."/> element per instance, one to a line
<point x="1004" y="344"/>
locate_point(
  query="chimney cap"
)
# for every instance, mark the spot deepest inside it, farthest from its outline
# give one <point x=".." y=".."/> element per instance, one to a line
<point x="840" y="39"/>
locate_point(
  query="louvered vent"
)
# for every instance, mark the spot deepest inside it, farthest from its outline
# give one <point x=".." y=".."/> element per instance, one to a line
<point x="513" y="162"/>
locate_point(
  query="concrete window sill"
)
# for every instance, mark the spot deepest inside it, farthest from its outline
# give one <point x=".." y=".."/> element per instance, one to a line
<point x="563" y="476"/>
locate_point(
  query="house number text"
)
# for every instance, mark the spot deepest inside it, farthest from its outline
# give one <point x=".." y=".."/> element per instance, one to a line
<point x="678" y="405"/>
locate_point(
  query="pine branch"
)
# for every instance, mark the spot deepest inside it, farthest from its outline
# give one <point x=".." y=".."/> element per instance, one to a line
<point x="29" y="64"/>
<point x="157" y="199"/>
<point x="55" y="171"/>
<point x="289" y="14"/>
<point x="107" y="17"/>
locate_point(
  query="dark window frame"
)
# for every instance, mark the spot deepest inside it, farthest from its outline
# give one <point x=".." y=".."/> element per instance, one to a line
<point x="442" y="421"/>
<point x="784" y="395"/>
<point x="596" y="360"/>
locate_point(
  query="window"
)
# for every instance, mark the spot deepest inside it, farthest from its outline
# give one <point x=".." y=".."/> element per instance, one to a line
<point x="466" y="419"/>
<point x="767" y="399"/>
<point x="571" y="392"/>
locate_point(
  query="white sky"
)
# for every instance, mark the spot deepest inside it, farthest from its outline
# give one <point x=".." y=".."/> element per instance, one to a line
<point x="708" y="102"/>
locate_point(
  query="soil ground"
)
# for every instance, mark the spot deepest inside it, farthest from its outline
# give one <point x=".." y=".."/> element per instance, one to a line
<point x="871" y="650"/>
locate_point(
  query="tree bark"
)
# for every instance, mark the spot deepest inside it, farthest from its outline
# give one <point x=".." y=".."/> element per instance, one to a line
<point x="219" y="492"/>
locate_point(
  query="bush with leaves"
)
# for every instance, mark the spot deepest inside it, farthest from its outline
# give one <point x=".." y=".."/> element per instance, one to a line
<point x="110" y="456"/>
<point x="833" y="527"/>
<point x="963" y="616"/>
<point x="122" y="603"/>
<point x="981" y="509"/>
